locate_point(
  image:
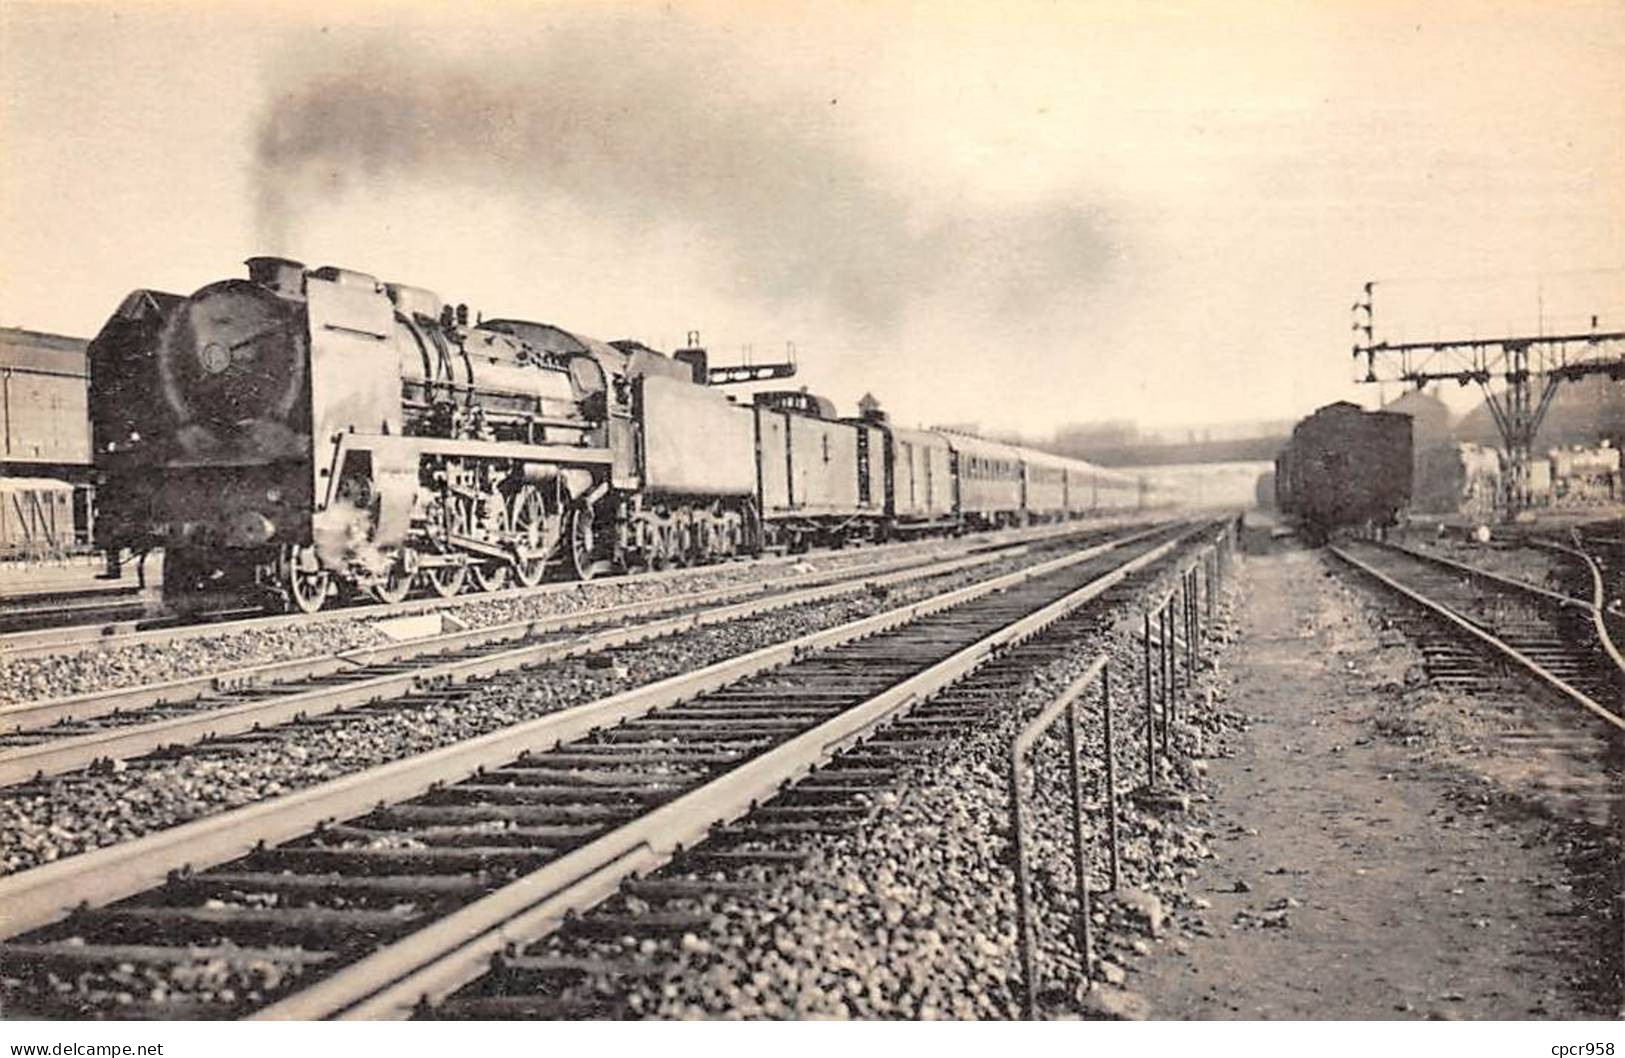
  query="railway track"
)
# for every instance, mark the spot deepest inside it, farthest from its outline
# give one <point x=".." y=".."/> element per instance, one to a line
<point x="51" y="738"/>
<point x="1489" y="637"/>
<point x="1550" y="636"/>
<point x="36" y="611"/>
<point x="105" y="634"/>
<point x="1598" y="555"/>
<point x="444" y="858"/>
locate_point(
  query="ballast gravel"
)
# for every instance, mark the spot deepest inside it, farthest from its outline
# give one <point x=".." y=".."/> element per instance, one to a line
<point x="81" y="811"/>
<point x="914" y="914"/>
<point x="82" y="670"/>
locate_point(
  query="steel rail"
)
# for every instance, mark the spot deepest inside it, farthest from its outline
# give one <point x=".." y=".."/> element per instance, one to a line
<point x="1599" y="595"/>
<point x="55" y="757"/>
<point x="113" y="635"/>
<point x="432" y="962"/>
<point x="32" y="716"/>
<point x="41" y="895"/>
<point x="1487" y="638"/>
<point x="1555" y="598"/>
<point x="111" y="607"/>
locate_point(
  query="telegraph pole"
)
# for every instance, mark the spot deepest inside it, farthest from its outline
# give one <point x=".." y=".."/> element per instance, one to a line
<point x="1532" y="366"/>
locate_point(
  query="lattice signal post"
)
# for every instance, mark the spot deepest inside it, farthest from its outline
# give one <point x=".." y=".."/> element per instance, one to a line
<point x="1532" y="366"/>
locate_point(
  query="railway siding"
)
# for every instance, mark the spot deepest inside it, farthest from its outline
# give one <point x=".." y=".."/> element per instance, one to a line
<point x="1391" y="842"/>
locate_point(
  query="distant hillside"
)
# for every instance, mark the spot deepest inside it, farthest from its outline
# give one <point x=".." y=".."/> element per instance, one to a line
<point x="1581" y="412"/>
<point x="1430" y="418"/>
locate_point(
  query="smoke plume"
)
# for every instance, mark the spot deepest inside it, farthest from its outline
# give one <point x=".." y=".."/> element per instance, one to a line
<point x="671" y="127"/>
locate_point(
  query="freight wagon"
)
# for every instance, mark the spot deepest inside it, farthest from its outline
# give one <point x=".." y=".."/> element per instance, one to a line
<point x="36" y="518"/>
<point x="1345" y="468"/>
<point x="45" y="426"/>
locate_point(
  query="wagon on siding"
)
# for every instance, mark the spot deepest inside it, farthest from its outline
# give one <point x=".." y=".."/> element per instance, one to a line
<point x="1345" y="468"/>
<point x="36" y="518"/>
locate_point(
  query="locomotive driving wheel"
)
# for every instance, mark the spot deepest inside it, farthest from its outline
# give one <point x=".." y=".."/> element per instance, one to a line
<point x="536" y="524"/>
<point x="306" y="584"/>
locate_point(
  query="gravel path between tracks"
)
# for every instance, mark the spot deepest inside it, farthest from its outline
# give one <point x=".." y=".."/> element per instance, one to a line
<point x="913" y="915"/>
<point x="82" y="811"/>
<point x="1378" y="854"/>
<point x="82" y="670"/>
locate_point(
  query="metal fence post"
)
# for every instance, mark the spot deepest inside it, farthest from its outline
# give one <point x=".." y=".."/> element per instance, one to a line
<point x="1177" y="627"/>
<point x="1193" y="649"/>
<point x="1026" y="913"/>
<point x="1198" y="601"/>
<point x="1212" y="590"/>
<point x="1111" y="770"/>
<point x="1024" y="923"/>
<point x="1080" y="850"/>
<point x="1185" y="629"/>
<point x="1150" y="713"/>
<point x="1204" y="598"/>
<point x="1165" y="626"/>
<point x="1193" y="637"/>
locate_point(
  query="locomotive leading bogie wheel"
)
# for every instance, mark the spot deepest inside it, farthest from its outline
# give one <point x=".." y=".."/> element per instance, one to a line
<point x="305" y="583"/>
<point x="446" y="581"/>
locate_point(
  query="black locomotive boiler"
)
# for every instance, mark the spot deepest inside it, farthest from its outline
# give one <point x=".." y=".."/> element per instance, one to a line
<point x="302" y="431"/>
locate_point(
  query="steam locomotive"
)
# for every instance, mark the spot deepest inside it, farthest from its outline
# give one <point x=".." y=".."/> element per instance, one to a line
<point x="306" y="433"/>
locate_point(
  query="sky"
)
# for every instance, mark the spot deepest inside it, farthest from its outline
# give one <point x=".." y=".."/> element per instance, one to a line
<point x="1017" y="215"/>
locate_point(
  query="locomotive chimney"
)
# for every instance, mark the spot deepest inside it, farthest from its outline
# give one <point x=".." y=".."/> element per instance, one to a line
<point x="694" y="355"/>
<point x="281" y="275"/>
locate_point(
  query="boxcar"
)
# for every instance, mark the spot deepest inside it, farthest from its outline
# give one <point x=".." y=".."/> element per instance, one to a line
<point x="1345" y="467"/>
<point x="919" y="481"/>
<point x="36" y="518"/>
<point x="822" y="479"/>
